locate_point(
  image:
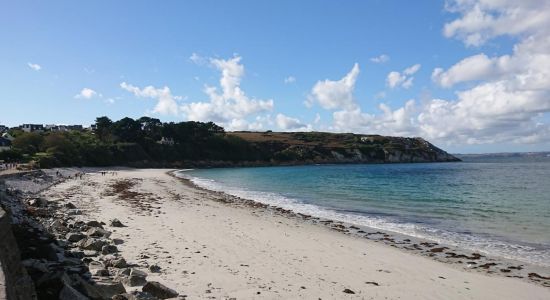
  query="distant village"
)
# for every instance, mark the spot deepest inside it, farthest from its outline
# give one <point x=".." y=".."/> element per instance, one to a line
<point x="6" y="138"/>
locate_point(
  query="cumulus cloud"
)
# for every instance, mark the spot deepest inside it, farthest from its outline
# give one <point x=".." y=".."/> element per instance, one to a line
<point x="507" y="98"/>
<point x="292" y="124"/>
<point x="290" y="79"/>
<point x="86" y="93"/>
<point x="403" y="79"/>
<point x="380" y="59"/>
<point x="228" y="105"/>
<point x="331" y="94"/>
<point x="35" y="67"/>
<point x="166" y="102"/>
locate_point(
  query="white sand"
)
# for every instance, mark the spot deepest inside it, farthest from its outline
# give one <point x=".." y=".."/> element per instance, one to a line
<point x="208" y="249"/>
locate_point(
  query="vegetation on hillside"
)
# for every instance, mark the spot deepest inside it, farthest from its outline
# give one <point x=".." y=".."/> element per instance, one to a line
<point x="150" y="142"/>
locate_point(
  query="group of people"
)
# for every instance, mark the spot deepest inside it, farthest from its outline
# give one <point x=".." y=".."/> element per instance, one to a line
<point x="112" y="173"/>
<point x="77" y="175"/>
<point x="8" y="166"/>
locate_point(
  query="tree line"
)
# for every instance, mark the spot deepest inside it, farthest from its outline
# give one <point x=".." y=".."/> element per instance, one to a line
<point x="146" y="141"/>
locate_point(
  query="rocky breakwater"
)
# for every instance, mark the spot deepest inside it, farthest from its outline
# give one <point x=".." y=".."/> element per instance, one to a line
<point x="70" y="257"/>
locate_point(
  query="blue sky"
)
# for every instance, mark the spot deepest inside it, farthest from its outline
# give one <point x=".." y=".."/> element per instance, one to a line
<point x="281" y="65"/>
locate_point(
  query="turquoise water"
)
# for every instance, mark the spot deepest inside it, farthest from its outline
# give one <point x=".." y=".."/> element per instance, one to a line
<point x="499" y="207"/>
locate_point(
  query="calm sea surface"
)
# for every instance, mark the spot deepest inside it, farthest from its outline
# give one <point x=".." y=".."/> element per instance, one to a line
<point x="498" y="206"/>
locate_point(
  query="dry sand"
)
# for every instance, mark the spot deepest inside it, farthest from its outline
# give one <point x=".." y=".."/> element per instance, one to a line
<point x="208" y="249"/>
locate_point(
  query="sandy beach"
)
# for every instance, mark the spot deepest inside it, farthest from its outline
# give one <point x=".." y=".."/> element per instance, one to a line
<point x="207" y="249"/>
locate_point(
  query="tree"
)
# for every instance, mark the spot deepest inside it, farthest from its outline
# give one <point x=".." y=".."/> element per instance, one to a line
<point x="103" y="128"/>
<point x="28" y="142"/>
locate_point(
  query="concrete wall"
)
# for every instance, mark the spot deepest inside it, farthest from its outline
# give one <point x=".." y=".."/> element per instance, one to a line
<point x="15" y="284"/>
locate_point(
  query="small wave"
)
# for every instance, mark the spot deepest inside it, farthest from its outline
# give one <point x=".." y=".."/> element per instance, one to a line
<point x="462" y="240"/>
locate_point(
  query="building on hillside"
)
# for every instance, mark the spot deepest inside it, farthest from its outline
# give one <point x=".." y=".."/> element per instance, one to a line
<point x="5" y="144"/>
<point x="166" y="141"/>
<point x="63" y="128"/>
<point x="3" y="128"/>
<point x="32" y="127"/>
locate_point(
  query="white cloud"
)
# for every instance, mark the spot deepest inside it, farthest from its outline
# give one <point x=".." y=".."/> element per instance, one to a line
<point x="507" y="99"/>
<point x="481" y="20"/>
<point x="403" y="79"/>
<point x="289" y="123"/>
<point x="86" y="93"/>
<point x="335" y="94"/>
<point x="290" y="79"/>
<point x="166" y="102"/>
<point x="230" y="107"/>
<point x="35" y="67"/>
<point x="195" y="58"/>
<point x="380" y="59"/>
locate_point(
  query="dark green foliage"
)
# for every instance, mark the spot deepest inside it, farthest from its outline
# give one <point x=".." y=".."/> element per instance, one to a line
<point x="149" y="142"/>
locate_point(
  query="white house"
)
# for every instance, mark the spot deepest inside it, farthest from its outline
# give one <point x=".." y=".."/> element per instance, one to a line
<point x="32" y="127"/>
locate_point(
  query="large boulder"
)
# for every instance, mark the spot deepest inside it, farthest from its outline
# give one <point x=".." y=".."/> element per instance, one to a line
<point x="98" y="232"/>
<point x="74" y="237"/>
<point x="136" y="278"/>
<point x="69" y="293"/>
<point x="116" y="223"/>
<point x="109" y="249"/>
<point x="91" y="244"/>
<point x="99" y="290"/>
<point x="159" y="290"/>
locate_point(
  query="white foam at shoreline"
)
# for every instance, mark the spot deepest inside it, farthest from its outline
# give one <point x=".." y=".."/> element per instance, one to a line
<point x="489" y="246"/>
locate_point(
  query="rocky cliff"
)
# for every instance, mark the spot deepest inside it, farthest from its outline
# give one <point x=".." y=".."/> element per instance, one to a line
<point x="321" y="147"/>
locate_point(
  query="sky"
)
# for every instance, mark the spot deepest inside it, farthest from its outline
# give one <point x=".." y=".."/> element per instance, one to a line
<point x="468" y="75"/>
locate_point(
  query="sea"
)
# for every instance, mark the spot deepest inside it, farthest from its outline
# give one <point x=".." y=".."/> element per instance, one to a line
<point x="497" y="206"/>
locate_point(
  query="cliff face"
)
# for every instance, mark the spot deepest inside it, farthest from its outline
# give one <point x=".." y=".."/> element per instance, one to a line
<point x="320" y="147"/>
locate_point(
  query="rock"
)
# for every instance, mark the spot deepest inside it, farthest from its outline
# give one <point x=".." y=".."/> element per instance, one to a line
<point x="159" y="290"/>
<point x="38" y="202"/>
<point x="124" y="296"/>
<point x="69" y="293"/>
<point x="58" y="226"/>
<point x="119" y="263"/>
<point x="69" y="205"/>
<point x="116" y="223"/>
<point x="90" y="253"/>
<point x="136" y="278"/>
<point x="348" y="291"/>
<point x="49" y="285"/>
<point x="91" y="244"/>
<point x="35" y="265"/>
<point x="137" y="295"/>
<point x="154" y="268"/>
<point x="100" y="289"/>
<point x="94" y="266"/>
<point x="109" y="249"/>
<point x="118" y="241"/>
<point x="98" y="232"/>
<point x="94" y="224"/>
<point x="74" y="237"/>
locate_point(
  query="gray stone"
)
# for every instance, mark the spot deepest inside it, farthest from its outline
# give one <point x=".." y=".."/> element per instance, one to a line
<point x="154" y="268"/>
<point x="136" y="278"/>
<point x="91" y="244"/>
<point x="74" y="237"/>
<point x="109" y="249"/>
<point x="116" y="223"/>
<point x="94" y="224"/>
<point x="118" y="241"/>
<point x="98" y="232"/>
<point x="159" y="290"/>
<point x="69" y="293"/>
<point x="100" y="289"/>
<point x="119" y="263"/>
